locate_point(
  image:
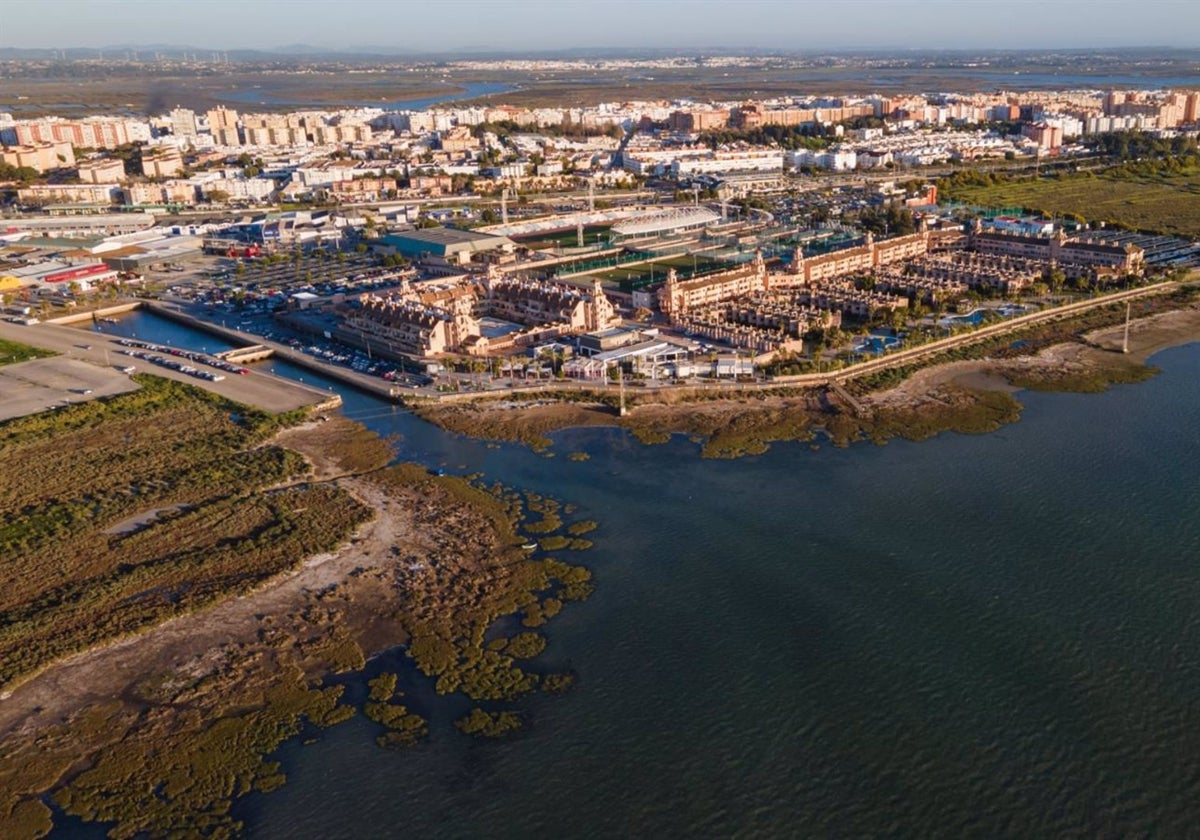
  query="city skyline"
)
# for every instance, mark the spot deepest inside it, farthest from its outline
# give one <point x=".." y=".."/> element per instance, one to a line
<point x="541" y="26"/>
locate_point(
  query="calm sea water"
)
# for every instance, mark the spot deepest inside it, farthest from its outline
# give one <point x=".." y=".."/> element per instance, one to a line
<point x="995" y="635"/>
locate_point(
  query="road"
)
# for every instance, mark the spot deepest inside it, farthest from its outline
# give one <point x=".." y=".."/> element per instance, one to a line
<point x="905" y="357"/>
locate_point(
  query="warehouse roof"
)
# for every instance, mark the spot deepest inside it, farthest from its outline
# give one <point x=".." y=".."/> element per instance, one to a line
<point x="444" y="241"/>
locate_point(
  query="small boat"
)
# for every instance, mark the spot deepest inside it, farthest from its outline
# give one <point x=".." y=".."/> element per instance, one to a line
<point x="530" y="546"/>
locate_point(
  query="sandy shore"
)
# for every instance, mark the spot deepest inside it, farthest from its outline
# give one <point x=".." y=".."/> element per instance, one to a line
<point x="434" y="553"/>
<point x="101" y="674"/>
<point x="441" y="561"/>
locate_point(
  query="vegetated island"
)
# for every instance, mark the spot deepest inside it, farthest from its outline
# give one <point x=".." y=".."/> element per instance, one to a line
<point x="969" y="390"/>
<point x="184" y="574"/>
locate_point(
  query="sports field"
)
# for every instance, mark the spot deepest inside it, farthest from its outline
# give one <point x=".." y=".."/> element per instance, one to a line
<point x="642" y="274"/>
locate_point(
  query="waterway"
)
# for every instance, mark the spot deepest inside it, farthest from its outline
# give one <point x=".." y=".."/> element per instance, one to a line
<point x="987" y="635"/>
<point x="995" y="78"/>
<point x="269" y="97"/>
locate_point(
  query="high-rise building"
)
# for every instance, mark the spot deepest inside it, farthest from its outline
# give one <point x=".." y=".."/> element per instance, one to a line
<point x="222" y="122"/>
<point x="104" y="171"/>
<point x="183" y="123"/>
<point x="162" y="162"/>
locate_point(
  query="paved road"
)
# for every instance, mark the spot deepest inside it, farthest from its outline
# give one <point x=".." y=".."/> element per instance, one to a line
<point x="257" y="388"/>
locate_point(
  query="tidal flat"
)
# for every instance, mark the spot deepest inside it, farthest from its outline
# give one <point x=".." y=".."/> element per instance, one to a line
<point x="149" y="674"/>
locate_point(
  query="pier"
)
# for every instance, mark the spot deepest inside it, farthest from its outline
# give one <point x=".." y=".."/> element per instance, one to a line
<point x="246" y="355"/>
<point x="845" y="396"/>
<point x="257" y="345"/>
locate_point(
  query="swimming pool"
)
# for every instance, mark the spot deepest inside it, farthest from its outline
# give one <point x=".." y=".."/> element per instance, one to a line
<point x="976" y="316"/>
<point x="876" y="344"/>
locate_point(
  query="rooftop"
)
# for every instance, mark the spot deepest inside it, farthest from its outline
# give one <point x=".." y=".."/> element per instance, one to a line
<point x="444" y="240"/>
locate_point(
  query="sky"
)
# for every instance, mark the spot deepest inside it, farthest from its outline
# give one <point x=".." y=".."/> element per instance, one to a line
<point x="529" y="25"/>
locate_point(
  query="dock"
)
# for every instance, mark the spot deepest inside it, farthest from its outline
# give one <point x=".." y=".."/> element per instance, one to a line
<point x="246" y="355"/>
<point x="107" y="355"/>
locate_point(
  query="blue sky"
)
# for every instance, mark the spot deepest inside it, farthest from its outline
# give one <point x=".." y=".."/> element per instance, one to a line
<point x="424" y="25"/>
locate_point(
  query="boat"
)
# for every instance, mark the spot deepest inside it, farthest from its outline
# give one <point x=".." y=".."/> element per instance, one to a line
<point x="530" y="546"/>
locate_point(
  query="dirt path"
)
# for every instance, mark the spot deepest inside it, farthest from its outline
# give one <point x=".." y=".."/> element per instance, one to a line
<point x="100" y="674"/>
<point x="182" y="643"/>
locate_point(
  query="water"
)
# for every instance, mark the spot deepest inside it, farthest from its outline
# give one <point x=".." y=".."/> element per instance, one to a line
<point x="954" y="78"/>
<point x="976" y="316"/>
<point x="990" y="635"/>
<point x="267" y="96"/>
<point x="876" y="344"/>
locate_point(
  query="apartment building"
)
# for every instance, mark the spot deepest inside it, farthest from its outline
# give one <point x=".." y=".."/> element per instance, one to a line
<point x="104" y="171"/>
<point x="41" y="156"/>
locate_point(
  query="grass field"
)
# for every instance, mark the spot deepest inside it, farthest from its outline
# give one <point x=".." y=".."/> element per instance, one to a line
<point x="11" y="352"/>
<point x="564" y="238"/>
<point x="192" y="467"/>
<point x="1166" y="204"/>
<point x="640" y="275"/>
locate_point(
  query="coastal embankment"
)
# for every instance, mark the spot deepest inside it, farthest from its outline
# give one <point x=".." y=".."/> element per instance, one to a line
<point x="964" y="384"/>
<point x="367" y="384"/>
<point x="606" y="392"/>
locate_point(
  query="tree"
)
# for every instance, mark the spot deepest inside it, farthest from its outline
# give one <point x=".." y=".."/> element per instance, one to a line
<point x="23" y="174"/>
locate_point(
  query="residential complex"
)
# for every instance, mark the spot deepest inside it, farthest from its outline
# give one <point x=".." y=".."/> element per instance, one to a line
<point x="384" y="154"/>
<point x="757" y="228"/>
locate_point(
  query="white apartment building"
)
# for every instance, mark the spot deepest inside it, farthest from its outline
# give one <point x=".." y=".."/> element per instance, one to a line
<point x="718" y="162"/>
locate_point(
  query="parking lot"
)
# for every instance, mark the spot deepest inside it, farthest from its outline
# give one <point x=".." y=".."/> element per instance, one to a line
<point x="89" y="362"/>
<point x="42" y="384"/>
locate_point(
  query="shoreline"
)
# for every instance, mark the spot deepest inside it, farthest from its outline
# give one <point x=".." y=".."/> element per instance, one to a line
<point x="414" y="575"/>
<point x="440" y="561"/>
<point x="1147" y="337"/>
<point x="971" y="395"/>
